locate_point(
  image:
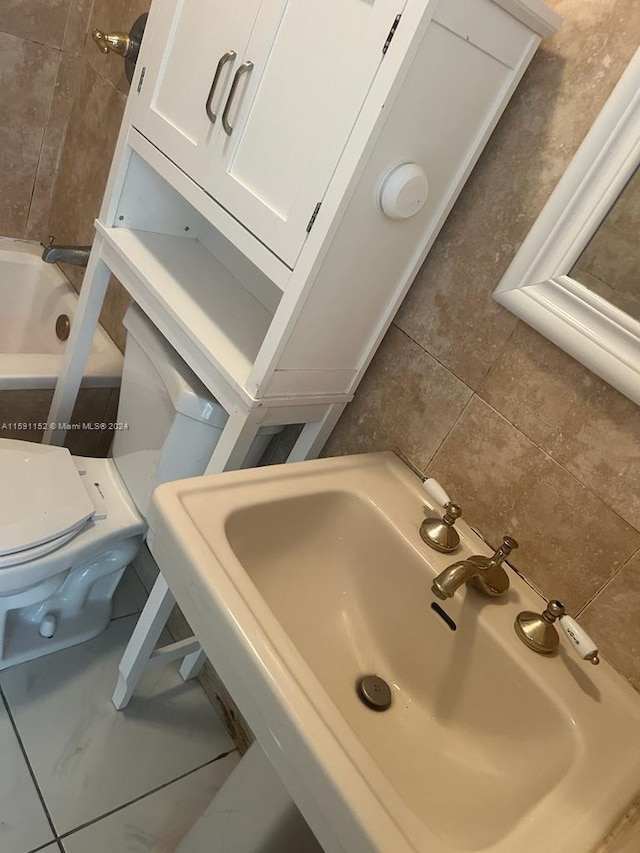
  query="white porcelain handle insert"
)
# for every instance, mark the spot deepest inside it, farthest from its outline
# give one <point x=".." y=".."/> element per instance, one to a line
<point x="433" y="488"/>
<point x="579" y="639"/>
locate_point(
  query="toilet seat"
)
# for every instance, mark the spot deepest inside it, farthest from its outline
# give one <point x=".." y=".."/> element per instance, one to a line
<point x="17" y="557"/>
<point x="43" y="502"/>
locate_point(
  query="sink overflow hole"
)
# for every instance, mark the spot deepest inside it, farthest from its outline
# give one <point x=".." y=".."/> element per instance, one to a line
<point x="374" y="692"/>
<point x="63" y="327"/>
<point x="444" y="616"/>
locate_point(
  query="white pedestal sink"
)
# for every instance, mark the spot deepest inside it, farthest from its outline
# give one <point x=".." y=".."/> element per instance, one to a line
<point x="298" y="579"/>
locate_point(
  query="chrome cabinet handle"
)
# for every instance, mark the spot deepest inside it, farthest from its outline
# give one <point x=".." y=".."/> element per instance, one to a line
<point x="229" y="56"/>
<point x="245" y="68"/>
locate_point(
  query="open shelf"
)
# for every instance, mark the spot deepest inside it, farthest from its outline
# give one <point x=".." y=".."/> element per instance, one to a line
<point x="190" y="193"/>
<point x="185" y="289"/>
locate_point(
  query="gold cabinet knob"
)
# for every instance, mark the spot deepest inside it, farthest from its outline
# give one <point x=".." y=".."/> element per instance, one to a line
<point x="119" y="43"/>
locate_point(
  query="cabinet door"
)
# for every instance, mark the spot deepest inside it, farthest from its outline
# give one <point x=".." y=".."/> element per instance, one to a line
<point x="292" y="111"/>
<point x="192" y="41"/>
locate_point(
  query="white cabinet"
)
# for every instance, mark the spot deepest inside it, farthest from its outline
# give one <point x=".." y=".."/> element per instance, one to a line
<point x="189" y="46"/>
<point x="255" y="101"/>
<point x="246" y="222"/>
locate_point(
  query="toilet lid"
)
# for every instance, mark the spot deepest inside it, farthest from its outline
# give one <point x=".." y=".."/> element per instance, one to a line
<point x="41" y="495"/>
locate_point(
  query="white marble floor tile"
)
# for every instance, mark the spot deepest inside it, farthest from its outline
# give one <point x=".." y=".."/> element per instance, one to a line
<point x="23" y="823"/>
<point x="89" y="758"/>
<point x="130" y="596"/>
<point x="156" y="823"/>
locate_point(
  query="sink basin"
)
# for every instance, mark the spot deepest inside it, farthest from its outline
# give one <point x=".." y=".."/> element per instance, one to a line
<point x="353" y="597"/>
<point x="300" y="579"/>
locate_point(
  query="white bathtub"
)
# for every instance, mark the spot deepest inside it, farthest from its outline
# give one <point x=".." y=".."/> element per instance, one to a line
<point x="32" y="295"/>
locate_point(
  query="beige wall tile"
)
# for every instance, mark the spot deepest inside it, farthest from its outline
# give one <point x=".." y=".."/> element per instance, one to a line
<point x="41" y="21"/>
<point x="114" y="308"/>
<point x="581" y="421"/>
<point x="112" y="15"/>
<point x="28" y="73"/>
<point x="67" y="82"/>
<point x="91" y="137"/>
<point x="24" y="405"/>
<point x="77" y="24"/>
<point x="406" y="401"/>
<point x="28" y="165"/>
<point x="92" y="407"/>
<point x="570" y="541"/>
<point x="31" y="406"/>
<point x="449" y="310"/>
<point x="612" y="620"/>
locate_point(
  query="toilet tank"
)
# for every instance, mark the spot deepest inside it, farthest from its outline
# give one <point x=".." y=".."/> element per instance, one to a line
<point x="171" y="422"/>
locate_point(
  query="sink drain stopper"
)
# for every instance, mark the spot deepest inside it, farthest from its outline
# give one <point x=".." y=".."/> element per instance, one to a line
<point x="374" y="692"/>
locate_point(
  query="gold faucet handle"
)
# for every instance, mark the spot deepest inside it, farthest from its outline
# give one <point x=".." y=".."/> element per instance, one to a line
<point x="493" y="579"/>
<point x="554" y="610"/>
<point x="119" y="43"/>
<point x="453" y="511"/>
<point x="509" y="544"/>
<point x="539" y="634"/>
<point x="440" y="533"/>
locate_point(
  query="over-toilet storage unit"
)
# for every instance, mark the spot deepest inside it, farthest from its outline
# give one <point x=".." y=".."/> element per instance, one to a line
<point x="69" y="526"/>
<point x="282" y="170"/>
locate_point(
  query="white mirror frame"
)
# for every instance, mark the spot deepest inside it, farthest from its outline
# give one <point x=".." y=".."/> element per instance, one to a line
<point x="537" y="285"/>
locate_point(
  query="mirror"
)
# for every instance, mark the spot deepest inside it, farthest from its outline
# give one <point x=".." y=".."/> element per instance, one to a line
<point x="610" y="263"/>
<point x="576" y="277"/>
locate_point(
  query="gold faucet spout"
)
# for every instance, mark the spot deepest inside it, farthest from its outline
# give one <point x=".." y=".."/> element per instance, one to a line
<point x="119" y="43"/>
<point x="483" y="573"/>
<point x="452" y="578"/>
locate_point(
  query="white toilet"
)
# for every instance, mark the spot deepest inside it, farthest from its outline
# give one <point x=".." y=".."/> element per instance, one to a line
<point x="69" y="526"/>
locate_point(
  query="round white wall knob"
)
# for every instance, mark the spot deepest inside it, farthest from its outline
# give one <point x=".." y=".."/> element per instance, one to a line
<point x="404" y="191"/>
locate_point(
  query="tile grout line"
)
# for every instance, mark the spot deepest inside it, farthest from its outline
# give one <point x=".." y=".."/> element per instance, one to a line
<point x="43" y="142"/>
<point x="46" y="846"/>
<point x="29" y="767"/>
<point x="125" y="616"/>
<point x="448" y="433"/>
<point x="431" y="355"/>
<point x="143" y="796"/>
<point x="571" y="474"/>
<point x="31" y="40"/>
<point x="607" y="583"/>
<point x="476" y="393"/>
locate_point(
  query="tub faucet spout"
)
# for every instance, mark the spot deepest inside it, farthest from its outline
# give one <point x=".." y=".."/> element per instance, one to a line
<point x="77" y="255"/>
